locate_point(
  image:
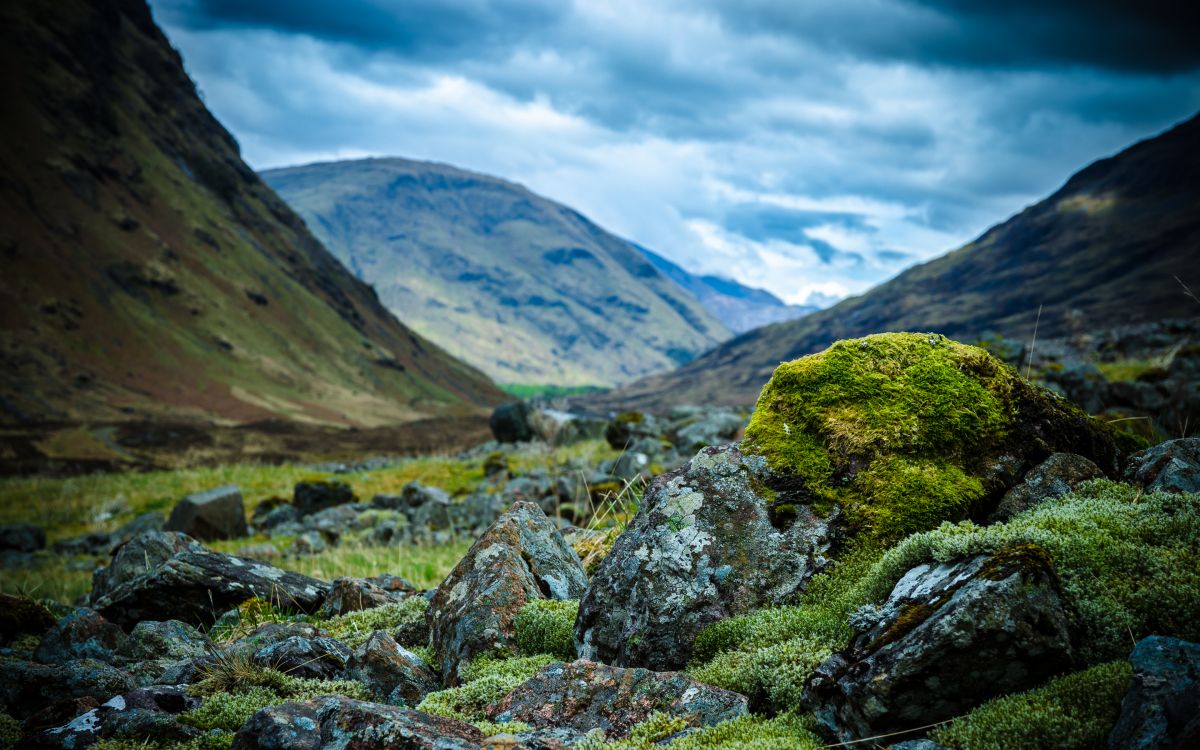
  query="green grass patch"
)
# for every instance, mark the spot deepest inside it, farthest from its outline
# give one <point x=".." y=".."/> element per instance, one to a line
<point x="532" y="390"/>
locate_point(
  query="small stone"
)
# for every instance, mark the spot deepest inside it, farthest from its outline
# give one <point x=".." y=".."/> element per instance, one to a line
<point x="391" y="672"/>
<point x="1173" y="466"/>
<point x="1162" y="708"/>
<point x="312" y="497"/>
<point x="321" y="658"/>
<point x="1054" y="477"/>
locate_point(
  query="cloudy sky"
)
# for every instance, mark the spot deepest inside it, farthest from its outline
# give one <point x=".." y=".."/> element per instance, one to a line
<point x="813" y="147"/>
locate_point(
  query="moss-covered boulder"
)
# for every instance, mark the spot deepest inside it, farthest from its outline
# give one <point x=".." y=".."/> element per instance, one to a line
<point x="906" y="430"/>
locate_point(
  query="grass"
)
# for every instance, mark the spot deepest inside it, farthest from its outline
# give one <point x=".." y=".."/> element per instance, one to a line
<point x="530" y="390"/>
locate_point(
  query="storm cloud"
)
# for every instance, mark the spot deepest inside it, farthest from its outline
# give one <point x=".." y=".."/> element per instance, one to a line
<point x="810" y="148"/>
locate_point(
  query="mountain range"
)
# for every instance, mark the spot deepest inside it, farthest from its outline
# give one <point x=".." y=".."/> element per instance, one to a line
<point x="150" y="274"/>
<point x="525" y="289"/>
<point x="1118" y="244"/>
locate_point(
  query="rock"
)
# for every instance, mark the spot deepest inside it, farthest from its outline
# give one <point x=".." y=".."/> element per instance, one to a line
<point x="169" y="639"/>
<point x="1162" y="708"/>
<point x="354" y="594"/>
<point x="214" y="514"/>
<point x="391" y="672"/>
<point x="83" y="634"/>
<point x="629" y="427"/>
<point x="510" y="423"/>
<point x="948" y="638"/>
<point x="1056" y="476"/>
<point x="921" y="744"/>
<point x="1173" y="466"/>
<point x="165" y="575"/>
<point x="21" y="537"/>
<point x="26" y="686"/>
<point x="259" y="551"/>
<point x="563" y="428"/>
<point x="271" y="633"/>
<point x="713" y="428"/>
<point x="335" y="722"/>
<point x="703" y="546"/>
<point x="21" y="615"/>
<point x="322" y="657"/>
<point x="143" y="715"/>
<point x="309" y="543"/>
<point x="312" y="497"/>
<point x="583" y="695"/>
<point x="333" y="522"/>
<point x="520" y="557"/>
<point x="107" y="542"/>
<point x="278" y="517"/>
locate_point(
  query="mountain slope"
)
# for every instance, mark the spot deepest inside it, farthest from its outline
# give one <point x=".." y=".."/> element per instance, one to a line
<point x="741" y="308"/>
<point x="150" y="274"/>
<point x="525" y="289"/>
<point x="1111" y="247"/>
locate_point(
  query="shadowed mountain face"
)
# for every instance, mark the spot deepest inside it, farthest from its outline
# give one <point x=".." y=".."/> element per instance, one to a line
<point x="741" y="308"/>
<point x="1113" y="246"/>
<point x="523" y="288"/>
<point x="149" y="273"/>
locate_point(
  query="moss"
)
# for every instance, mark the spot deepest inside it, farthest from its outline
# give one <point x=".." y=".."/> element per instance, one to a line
<point x="784" y="732"/>
<point x="545" y="626"/>
<point x="910" y="616"/>
<point x="893" y="427"/>
<point x="215" y="740"/>
<point x="485" y="681"/>
<point x="1074" y="712"/>
<point x="354" y="628"/>
<point x="230" y="709"/>
<point x="10" y="732"/>
<point x="630" y="417"/>
<point x="491" y="729"/>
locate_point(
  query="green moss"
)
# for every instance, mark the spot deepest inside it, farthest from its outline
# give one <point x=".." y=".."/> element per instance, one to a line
<point x="491" y="729"/>
<point x="892" y="427"/>
<point x="546" y="626"/>
<point x="354" y="628"/>
<point x="1128" y="563"/>
<point x="216" y="740"/>
<point x="630" y="417"/>
<point x="485" y="681"/>
<point x="1074" y="712"/>
<point x="784" y="732"/>
<point x="10" y="732"/>
<point x="230" y="709"/>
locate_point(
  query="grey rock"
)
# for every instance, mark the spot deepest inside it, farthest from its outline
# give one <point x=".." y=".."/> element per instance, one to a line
<point x="21" y="537"/>
<point x="291" y="726"/>
<point x="83" y="634"/>
<point x="703" y="547"/>
<point x="271" y="633"/>
<point x="354" y="594"/>
<point x="1054" y="477"/>
<point x="1173" y="466"/>
<point x="334" y="522"/>
<point x="320" y="657"/>
<point x="26" y="687"/>
<point x="107" y="542"/>
<point x="628" y="427"/>
<point x="510" y="423"/>
<point x="1162" y="708"/>
<point x="144" y="715"/>
<point x="949" y="637"/>
<point x="169" y="639"/>
<point x="259" y="551"/>
<point x="708" y="429"/>
<point x="564" y="428"/>
<point x="391" y="672"/>
<point x="309" y="543"/>
<point x="312" y="497"/>
<point x="214" y="514"/>
<point x="584" y="695"/>
<point x="167" y="575"/>
<point x="522" y="556"/>
<point x="921" y="744"/>
<point x="278" y="516"/>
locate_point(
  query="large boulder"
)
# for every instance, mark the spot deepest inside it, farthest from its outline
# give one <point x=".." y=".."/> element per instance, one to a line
<point x="510" y="423"/>
<point x="391" y="672"/>
<point x="1161" y="711"/>
<point x="1173" y="466"/>
<point x="520" y="557"/>
<point x="167" y="575"/>
<point x="585" y="695"/>
<point x="949" y="637"/>
<point x="344" y="723"/>
<point x="704" y="545"/>
<point x="213" y="514"/>
<point x="1054" y="477"/>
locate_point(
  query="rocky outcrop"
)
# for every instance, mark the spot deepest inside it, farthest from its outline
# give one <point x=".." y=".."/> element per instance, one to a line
<point x="1056" y="476"/>
<point x="1173" y="466"/>
<point x="391" y="672"/>
<point x="320" y="657"/>
<point x="1161" y="711"/>
<point x="949" y="637"/>
<point x="585" y="695"/>
<point x="164" y="575"/>
<point x="520" y="557"/>
<point x="214" y="514"/>
<point x="345" y="723"/>
<point x="704" y="545"/>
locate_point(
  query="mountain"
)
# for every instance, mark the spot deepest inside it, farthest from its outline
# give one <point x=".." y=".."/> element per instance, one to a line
<point x="523" y="288"/>
<point x="740" y="307"/>
<point x="1118" y="244"/>
<point x="150" y="274"/>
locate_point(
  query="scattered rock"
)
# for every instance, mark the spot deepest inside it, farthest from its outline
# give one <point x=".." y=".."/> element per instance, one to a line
<point x="279" y="516"/>
<point x="948" y="638"/>
<point x="1162" y="708"/>
<point x="309" y="543"/>
<point x="168" y="639"/>
<point x="322" y="657"/>
<point x="510" y="423"/>
<point x="107" y="542"/>
<point x="563" y="428"/>
<point x="20" y="615"/>
<point x="584" y="695"/>
<point x="520" y="557"/>
<point x="26" y="686"/>
<point x="1056" y="476"/>
<point x="83" y="634"/>
<point x="354" y="594"/>
<point x="629" y="427"/>
<point x="143" y="715"/>
<point x="391" y="672"/>
<point x="703" y="546"/>
<point x="259" y="551"/>
<point x="21" y="537"/>
<point x="165" y="575"/>
<point x="312" y="497"/>
<point x="213" y="514"/>
<point x="345" y="723"/>
<point x="1173" y="466"/>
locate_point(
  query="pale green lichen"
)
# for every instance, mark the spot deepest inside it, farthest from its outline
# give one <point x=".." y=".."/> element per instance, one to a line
<point x="354" y="628"/>
<point x="1074" y="712"/>
<point x="546" y="626"/>
<point x="485" y="681"/>
<point x="783" y="732"/>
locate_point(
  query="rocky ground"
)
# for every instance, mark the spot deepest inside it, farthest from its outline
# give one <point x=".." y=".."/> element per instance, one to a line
<point x="907" y="544"/>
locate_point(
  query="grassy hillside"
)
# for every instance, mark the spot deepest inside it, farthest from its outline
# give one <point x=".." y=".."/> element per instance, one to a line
<point x="1115" y="245"/>
<point x="521" y="287"/>
<point x="150" y="274"/>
